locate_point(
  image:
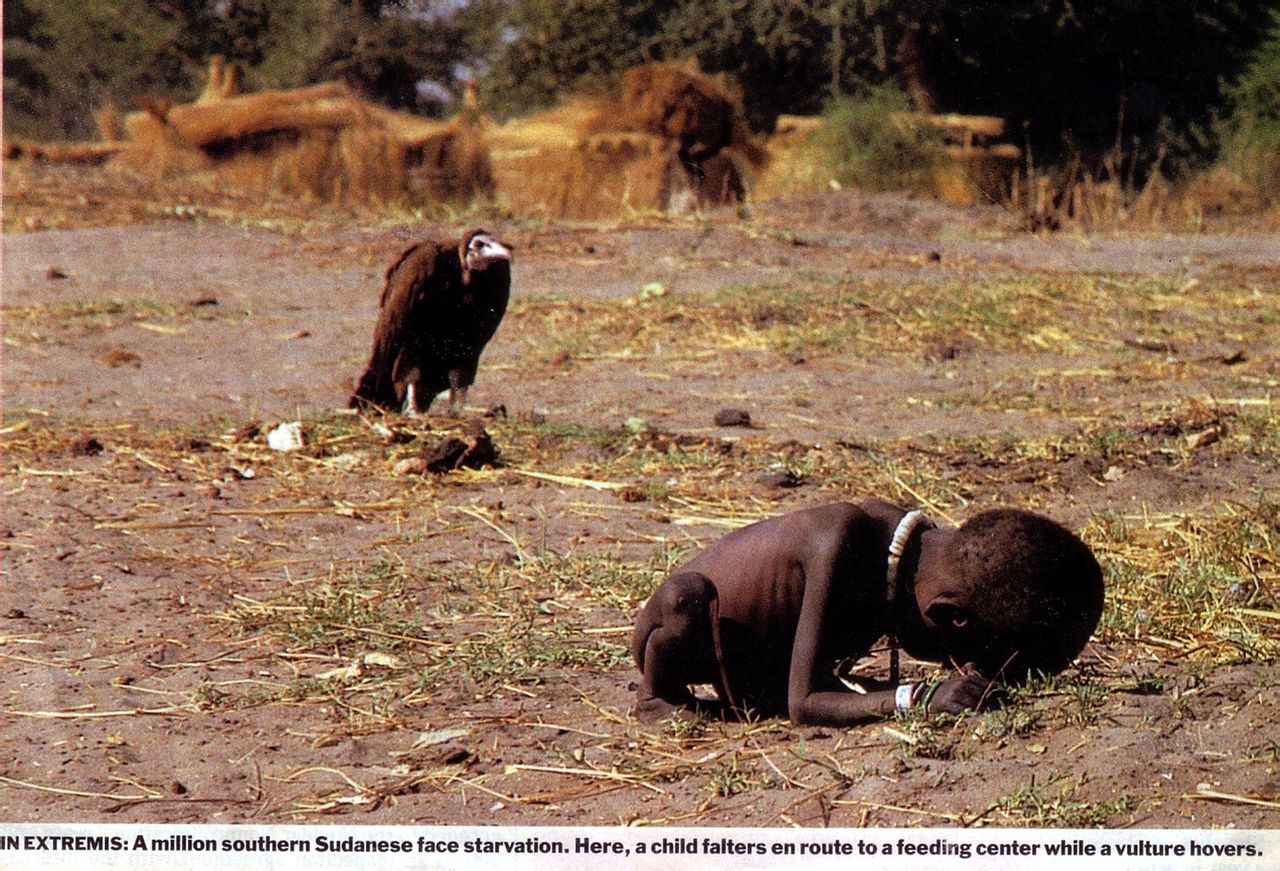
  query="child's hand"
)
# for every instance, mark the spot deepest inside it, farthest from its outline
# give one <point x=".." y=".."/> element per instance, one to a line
<point x="967" y="691"/>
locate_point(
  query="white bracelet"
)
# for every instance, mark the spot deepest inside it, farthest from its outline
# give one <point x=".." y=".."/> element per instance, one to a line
<point x="902" y="696"/>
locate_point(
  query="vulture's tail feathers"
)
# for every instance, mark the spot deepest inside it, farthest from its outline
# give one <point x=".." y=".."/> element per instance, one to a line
<point x="375" y="390"/>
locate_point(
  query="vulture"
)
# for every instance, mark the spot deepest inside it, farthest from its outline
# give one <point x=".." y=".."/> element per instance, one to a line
<point x="441" y="304"/>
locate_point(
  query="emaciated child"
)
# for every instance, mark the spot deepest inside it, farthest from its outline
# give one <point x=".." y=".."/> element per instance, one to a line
<point x="767" y="612"/>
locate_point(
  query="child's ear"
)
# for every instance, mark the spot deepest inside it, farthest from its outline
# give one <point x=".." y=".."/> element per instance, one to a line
<point x="947" y="615"/>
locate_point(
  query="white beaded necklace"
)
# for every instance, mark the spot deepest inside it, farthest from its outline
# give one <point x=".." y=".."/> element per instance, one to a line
<point x="901" y="535"/>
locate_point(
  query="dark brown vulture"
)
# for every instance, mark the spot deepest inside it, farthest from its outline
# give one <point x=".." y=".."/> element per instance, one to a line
<point x="441" y="304"/>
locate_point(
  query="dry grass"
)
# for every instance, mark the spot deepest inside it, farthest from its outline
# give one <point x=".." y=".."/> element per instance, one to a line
<point x="321" y="143"/>
<point x="1110" y="198"/>
<point x="865" y="318"/>
<point x="464" y="604"/>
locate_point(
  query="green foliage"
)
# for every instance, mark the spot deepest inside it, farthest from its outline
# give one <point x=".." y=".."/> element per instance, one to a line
<point x="1086" y="80"/>
<point x="557" y="47"/>
<point x="1055" y="804"/>
<point x="785" y="55"/>
<point x="788" y="57"/>
<point x="869" y="144"/>
<point x="25" y="83"/>
<point x="380" y="47"/>
<point x="385" y="56"/>
<point x="276" y="41"/>
<point x="74" y="57"/>
<point x="1138" y="77"/>
<point x="1074" y="80"/>
<point x="64" y="60"/>
<point x="1251" y="140"/>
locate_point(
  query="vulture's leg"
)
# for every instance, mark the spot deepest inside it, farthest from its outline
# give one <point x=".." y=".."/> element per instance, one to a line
<point x="410" y="408"/>
<point x="457" y="393"/>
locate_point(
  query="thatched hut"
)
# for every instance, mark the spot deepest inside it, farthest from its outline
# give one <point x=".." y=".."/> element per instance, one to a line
<point x="322" y="142"/>
<point x="668" y="139"/>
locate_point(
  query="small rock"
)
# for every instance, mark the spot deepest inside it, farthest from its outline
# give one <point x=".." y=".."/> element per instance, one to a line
<point x="177" y="788"/>
<point x="117" y="357"/>
<point x="1149" y="343"/>
<point x="447" y="455"/>
<point x="1203" y="438"/>
<point x="940" y="352"/>
<point x="732" y="417"/>
<point x="411" y="466"/>
<point x="1234" y="358"/>
<point x="201" y="301"/>
<point x="652" y="290"/>
<point x="286" y="437"/>
<point x="16" y="614"/>
<point x="189" y="444"/>
<point x="498" y="410"/>
<point x="1113" y="473"/>
<point x="85" y="446"/>
<point x="933" y="257"/>
<point x="53" y="273"/>
<point x="1238" y="593"/>
<point x="454" y="453"/>
<point x="780" y="478"/>
<point x="456" y="755"/>
<point x="247" y="433"/>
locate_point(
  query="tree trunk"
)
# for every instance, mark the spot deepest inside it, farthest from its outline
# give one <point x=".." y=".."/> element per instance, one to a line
<point x="910" y="57"/>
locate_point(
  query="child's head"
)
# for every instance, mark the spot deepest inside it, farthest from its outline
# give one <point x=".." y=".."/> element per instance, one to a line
<point x="1025" y="594"/>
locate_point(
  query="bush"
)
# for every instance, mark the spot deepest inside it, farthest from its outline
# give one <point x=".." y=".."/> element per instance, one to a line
<point x="1251" y="132"/>
<point x="868" y="142"/>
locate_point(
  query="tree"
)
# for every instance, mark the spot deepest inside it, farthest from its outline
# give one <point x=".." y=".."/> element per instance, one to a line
<point x="1073" y="79"/>
<point x="385" y="53"/>
<point x="26" y="86"/>
<point x="1086" y="79"/>
<point x="1251" y="129"/>
<point x="62" y="60"/>
<point x="79" y="56"/>
<point x="537" y="50"/>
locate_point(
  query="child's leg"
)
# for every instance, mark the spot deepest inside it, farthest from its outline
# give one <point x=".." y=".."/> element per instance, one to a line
<point x="673" y="645"/>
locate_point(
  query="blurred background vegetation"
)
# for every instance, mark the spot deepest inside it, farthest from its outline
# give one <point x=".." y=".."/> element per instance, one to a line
<point x="1168" y="84"/>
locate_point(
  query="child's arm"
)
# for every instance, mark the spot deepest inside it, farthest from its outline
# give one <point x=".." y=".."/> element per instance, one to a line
<point x="826" y="554"/>
<point x="966" y="691"/>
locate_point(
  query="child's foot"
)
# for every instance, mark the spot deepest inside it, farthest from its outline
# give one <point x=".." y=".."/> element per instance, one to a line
<point x="651" y="709"/>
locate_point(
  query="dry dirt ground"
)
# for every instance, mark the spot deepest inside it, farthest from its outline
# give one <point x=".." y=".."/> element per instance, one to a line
<point x="195" y="627"/>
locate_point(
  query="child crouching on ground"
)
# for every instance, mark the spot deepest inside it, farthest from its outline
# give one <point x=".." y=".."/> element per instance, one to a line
<point x="766" y="613"/>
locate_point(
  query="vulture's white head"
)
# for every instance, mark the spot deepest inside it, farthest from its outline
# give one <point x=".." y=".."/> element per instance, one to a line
<point x="481" y="250"/>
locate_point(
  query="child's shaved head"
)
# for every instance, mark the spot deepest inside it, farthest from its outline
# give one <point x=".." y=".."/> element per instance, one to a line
<point x="1034" y="589"/>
